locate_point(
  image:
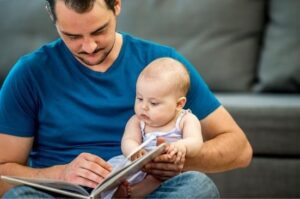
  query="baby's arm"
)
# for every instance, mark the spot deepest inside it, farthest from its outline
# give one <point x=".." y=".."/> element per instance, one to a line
<point x="192" y="139"/>
<point x="132" y="137"/>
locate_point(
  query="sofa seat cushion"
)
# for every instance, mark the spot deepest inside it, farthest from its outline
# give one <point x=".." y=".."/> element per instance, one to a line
<point x="270" y="121"/>
<point x="266" y="177"/>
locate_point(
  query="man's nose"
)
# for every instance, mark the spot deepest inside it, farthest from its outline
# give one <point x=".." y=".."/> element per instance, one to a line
<point x="89" y="45"/>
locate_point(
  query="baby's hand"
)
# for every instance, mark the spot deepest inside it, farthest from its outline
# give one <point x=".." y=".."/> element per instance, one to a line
<point x="138" y="154"/>
<point x="177" y="152"/>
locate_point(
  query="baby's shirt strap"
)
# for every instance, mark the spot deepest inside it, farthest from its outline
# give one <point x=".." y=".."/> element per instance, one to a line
<point x="142" y="127"/>
<point x="181" y="115"/>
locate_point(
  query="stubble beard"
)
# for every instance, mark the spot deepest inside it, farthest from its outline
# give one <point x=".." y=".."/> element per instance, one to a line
<point x="102" y="58"/>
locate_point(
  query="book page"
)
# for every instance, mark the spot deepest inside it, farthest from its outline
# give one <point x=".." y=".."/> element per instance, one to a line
<point x="127" y="161"/>
<point x="55" y="186"/>
<point x="120" y="175"/>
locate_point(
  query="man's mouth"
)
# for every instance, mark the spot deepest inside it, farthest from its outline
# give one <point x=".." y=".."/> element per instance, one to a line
<point x="91" y="54"/>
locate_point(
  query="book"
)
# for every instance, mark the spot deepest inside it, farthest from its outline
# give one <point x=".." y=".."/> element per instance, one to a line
<point x="116" y="177"/>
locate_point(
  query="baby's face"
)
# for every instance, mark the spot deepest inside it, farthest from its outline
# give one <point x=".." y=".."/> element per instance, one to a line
<point x="155" y="102"/>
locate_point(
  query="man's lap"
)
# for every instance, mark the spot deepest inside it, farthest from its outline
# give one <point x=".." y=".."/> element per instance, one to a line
<point x="181" y="186"/>
<point x="187" y="185"/>
<point x="26" y="192"/>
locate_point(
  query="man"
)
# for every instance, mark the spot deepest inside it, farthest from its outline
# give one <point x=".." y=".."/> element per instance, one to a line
<point x="63" y="108"/>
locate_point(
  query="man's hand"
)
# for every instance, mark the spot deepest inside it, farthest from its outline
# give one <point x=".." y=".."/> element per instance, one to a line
<point x="86" y="170"/>
<point x="164" y="167"/>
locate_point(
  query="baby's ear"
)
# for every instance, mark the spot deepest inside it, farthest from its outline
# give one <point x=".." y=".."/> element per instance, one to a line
<point x="181" y="102"/>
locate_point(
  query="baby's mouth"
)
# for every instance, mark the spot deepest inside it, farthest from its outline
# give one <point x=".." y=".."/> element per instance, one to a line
<point x="144" y="117"/>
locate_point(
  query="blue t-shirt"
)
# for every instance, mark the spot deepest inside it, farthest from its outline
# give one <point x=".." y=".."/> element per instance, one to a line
<point x="70" y="109"/>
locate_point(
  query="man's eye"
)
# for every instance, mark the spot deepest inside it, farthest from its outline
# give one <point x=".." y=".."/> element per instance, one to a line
<point x="73" y="37"/>
<point x="99" y="32"/>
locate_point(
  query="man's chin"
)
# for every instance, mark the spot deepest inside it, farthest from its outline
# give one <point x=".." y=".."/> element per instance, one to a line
<point x="90" y="63"/>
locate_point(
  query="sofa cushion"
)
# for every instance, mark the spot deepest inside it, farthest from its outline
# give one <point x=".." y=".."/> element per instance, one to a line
<point x="25" y="25"/>
<point x="279" y="68"/>
<point x="221" y="38"/>
<point x="266" y="177"/>
<point x="270" y="121"/>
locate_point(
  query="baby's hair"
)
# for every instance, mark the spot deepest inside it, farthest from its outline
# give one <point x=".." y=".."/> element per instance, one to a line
<point x="171" y="70"/>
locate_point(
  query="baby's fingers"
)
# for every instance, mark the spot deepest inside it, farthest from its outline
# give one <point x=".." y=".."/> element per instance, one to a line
<point x="178" y="157"/>
<point x="172" y="152"/>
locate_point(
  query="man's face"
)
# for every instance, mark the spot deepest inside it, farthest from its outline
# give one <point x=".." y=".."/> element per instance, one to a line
<point x="90" y="36"/>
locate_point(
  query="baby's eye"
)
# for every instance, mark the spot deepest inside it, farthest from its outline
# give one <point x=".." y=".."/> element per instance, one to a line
<point x="139" y="99"/>
<point x="154" y="103"/>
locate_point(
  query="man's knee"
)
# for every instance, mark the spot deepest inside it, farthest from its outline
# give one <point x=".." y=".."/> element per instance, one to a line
<point x="187" y="185"/>
<point x="201" y="182"/>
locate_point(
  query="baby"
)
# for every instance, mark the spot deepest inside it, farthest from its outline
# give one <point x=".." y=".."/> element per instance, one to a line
<point x="160" y="97"/>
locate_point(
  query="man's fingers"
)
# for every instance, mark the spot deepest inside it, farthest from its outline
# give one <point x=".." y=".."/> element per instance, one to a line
<point x="88" y="177"/>
<point x="86" y="182"/>
<point x="163" y="167"/>
<point x="164" y="158"/>
<point x="87" y="170"/>
<point x="95" y="159"/>
<point x="163" y="175"/>
<point x="92" y="170"/>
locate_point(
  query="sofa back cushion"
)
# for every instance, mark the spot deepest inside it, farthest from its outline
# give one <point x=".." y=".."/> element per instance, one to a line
<point x="25" y="25"/>
<point x="279" y="68"/>
<point x="221" y="38"/>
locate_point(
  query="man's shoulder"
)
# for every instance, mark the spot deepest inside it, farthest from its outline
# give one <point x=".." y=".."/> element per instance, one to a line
<point x="138" y="43"/>
<point x="42" y="53"/>
<point x="36" y="61"/>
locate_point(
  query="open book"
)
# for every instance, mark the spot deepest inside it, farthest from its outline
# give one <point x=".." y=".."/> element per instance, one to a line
<point x="117" y="176"/>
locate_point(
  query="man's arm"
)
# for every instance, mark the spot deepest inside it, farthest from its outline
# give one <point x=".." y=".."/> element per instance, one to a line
<point x="86" y="169"/>
<point x="14" y="153"/>
<point x="225" y="145"/>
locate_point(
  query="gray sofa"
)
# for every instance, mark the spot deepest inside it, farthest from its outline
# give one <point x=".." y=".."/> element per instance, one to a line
<point x="248" y="52"/>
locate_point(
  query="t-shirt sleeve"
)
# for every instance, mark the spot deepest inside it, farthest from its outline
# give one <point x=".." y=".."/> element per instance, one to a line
<point x="200" y="99"/>
<point x="18" y="103"/>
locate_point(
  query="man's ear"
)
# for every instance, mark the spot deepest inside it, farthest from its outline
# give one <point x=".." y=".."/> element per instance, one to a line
<point x="181" y="102"/>
<point x="118" y="6"/>
<point x="49" y="13"/>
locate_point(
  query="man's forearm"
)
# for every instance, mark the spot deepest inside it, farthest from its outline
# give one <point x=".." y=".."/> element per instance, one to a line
<point x="14" y="169"/>
<point x="225" y="152"/>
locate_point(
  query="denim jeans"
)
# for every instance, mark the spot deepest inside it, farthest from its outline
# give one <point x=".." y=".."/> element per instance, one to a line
<point x="187" y="185"/>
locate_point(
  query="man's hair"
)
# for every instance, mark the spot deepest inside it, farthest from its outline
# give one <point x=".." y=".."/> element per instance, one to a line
<point x="79" y="6"/>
